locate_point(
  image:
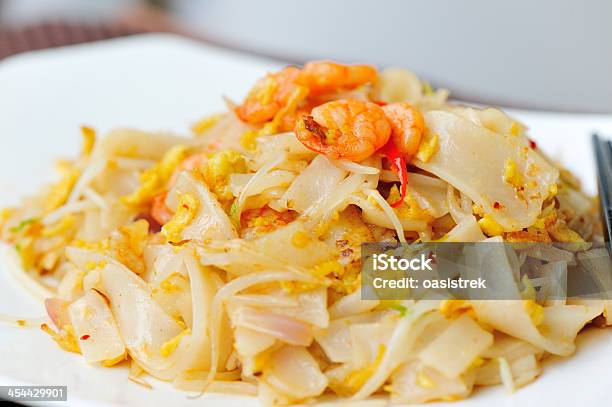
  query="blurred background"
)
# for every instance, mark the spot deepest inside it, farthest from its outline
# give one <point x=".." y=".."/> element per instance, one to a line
<point x="546" y="54"/>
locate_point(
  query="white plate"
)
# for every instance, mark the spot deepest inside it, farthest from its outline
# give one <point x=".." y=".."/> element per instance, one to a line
<point x="163" y="82"/>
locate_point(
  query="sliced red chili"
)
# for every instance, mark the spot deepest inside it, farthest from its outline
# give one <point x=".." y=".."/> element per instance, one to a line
<point x="85" y="337"/>
<point x="398" y="165"/>
<point x="532" y="144"/>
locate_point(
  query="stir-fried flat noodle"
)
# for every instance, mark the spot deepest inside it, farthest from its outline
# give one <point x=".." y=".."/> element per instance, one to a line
<point x="230" y="262"/>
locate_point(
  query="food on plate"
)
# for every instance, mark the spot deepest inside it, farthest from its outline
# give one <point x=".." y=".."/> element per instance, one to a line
<point x="230" y="261"/>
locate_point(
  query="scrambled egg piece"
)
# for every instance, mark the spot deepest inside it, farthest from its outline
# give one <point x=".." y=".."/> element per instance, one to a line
<point x="170" y="346"/>
<point x="297" y="95"/>
<point x="92" y="265"/>
<point x="428" y="90"/>
<point x="248" y="140"/>
<point x="60" y="191"/>
<point x="218" y="169"/>
<point x="515" y="129"/>
<point x="185" y="212"/>
<point x="328" y="268"/>
<point x="264" y="93"/>
<point x="477" y="210"/>
<point x="490" y="227"/>
<point x="89" y="140"/>
<point x="62" y="227"/>
<point x="357" y="379"/>
<point x="128" y="245"/>
<point x="429" y="146"/>
<point x="547" y="218"/>
<point x="527" y="236"/>
<point x="175" y="282"/>
<point x="562" y="233"/>
<point x="99" y="247"/>
<point x="300" y="239"/>
<point x="424" y="381"/>
<point x="452" y="309"/>
<point x="5" y="214"/>
<point x="529" y="292"/>
<point x="172" y="159"/>
<point x="206" y="123"/>
<point x="535" y="311"/>
<point x="25" y="249"/>
<point x="153" y="180"/>
<point x="256" y="222"/>
<point x="65" y="338"/>
<point x="112" y="362"/>
<point x="512" y="175"/>
<point x="410" y="208"/>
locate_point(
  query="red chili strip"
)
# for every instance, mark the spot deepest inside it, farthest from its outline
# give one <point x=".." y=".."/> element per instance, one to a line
<point x="393" y="154"/>
<point x="532" y="144"/>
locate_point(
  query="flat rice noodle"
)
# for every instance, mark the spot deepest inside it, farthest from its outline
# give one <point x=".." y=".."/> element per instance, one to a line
<point x="336" y="338"/>
<point x="494" y="263"/>
<point x="554" y="283"/>
<point x="272" y="179"/>
<point x="82" y="257"/>
<point x="429" y="193"/>
<point x="71" y="284"/>
<point x="368" y="339"/>
<point x="318" y="179"/>
<point x="456" y="348"/>
<point x="351" y="304"/>
<point x="294" y="373"/>
<point x="311" y="308"/>
<point x="195" y="351"/>
<point x="278" y="244"/>
<point x="561" y="323"/>
<point x="374" y="215"/>
<point x="174" y="295"/>
<point x="98" y="224"/>
<point x="161" y="260"/>
<point x="281" y="327"/>
<point x="210" y="221"/>
<point x="415" y="382"/>
<point x="322" y="211"/>
<point x="239" y="257"/>
<point x="467" y="230"/>
<point x="510" y="348"/>
<point x="284" y="143"/>
<point x="95" y="328"/>
<point x="224" y="134"/>
<point x="472" y="159"/>
<point x="524" y="370"/>
<point x="143" y="324"/>
<point x="249" y="342"/>
<point x="400" y="346"/>
<point x="127" y="142"/>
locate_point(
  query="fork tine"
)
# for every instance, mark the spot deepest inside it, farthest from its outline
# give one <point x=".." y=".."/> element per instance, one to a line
<point x="603" y="158"/>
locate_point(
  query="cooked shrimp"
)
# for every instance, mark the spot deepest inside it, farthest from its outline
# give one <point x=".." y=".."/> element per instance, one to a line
<point x="272" y="92"/>
<point x="322" y="77"/>
<point x="407" y="127"/>
<point x="268" y="96"/>
<point x="347" y="129"/>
